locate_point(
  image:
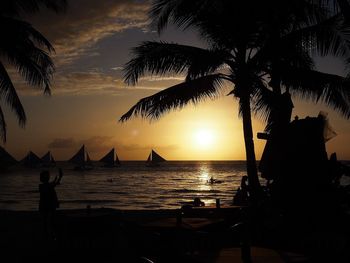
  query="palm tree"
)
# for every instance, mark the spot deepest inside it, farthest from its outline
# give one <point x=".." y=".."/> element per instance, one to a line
<point x="239" y="49"/>
<point x="206" y="70"/>
<point x="290" y="66"/>
<point x="25" y="49"/>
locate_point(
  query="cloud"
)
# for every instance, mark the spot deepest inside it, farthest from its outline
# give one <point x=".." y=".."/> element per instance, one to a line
<point x="86" y="22"/>
<point x="137" y="147"/>
<point x="166" y="78"/>
<point x="75" y="83"/>
<point x="75" y="36"/>
<point x="97" y="144"/>
<point x="117" y="68"/>
<point x="62" y="143"/>
<point x="93" y="82"/>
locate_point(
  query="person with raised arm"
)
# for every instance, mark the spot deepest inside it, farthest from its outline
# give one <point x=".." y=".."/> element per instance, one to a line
<point x="48" y="202"/>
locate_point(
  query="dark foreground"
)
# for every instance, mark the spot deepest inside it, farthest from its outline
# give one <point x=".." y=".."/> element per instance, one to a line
<point x="194" y="235"/>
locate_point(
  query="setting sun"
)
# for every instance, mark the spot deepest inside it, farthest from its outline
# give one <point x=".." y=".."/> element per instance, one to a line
<point x="204" y="138"/>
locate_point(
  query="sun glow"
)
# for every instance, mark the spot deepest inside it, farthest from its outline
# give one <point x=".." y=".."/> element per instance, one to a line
<point x="204" y="138"/>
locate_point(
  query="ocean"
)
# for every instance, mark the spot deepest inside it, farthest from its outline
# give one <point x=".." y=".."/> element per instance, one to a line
<point x="130" y="186"/>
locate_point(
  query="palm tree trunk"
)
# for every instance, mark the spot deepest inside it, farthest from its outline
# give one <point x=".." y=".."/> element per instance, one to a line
<point x="252" y="171"/>
<point x="243" y="92"/>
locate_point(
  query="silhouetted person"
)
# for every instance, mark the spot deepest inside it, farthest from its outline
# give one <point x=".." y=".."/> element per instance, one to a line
<point x="242" y="195"/>
<point x="198" y="202"/>
<point x="48" y="201"/>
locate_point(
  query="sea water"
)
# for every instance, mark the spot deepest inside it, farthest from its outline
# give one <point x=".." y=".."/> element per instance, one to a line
<point x="130" y="186"/>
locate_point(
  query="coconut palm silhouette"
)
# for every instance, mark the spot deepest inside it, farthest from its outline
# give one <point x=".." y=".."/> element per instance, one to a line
<point x="26" y="50"/>
<point x="259" y="48"/>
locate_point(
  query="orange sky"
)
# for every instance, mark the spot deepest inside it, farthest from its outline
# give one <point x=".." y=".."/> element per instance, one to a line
<point x="92" y="42"/>
<point x="63" y="123"/>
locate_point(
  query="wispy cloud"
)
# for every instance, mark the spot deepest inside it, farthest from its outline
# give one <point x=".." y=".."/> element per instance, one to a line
<point x="88" y="21"/>
<point x="92" y="82"/>
<point x="62" y="143"/>
<point x="117" y="68"/>
<point x="155" y="78"/>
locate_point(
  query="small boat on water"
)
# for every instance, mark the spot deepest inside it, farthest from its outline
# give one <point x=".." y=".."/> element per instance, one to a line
<point x="47" y="160"/>
<point x="81" y="160"/>
<point x="31" y="160"/>
<point x="154" y="159"/>
<point x="110" y="159"/>
<point x="214" y="181"/>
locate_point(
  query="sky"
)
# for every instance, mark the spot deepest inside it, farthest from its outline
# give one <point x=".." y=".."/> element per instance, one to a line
<point x="93" y="40"/>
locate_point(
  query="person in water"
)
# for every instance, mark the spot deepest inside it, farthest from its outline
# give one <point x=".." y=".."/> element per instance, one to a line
<point x="48" y="202"/>
<point x="198" y="202"/>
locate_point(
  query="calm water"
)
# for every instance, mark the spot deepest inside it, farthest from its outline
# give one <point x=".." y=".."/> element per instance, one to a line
<point x="131" y="186"/>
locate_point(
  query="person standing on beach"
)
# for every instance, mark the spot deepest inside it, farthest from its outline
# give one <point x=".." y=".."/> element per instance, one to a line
<point x="48" y="202"/>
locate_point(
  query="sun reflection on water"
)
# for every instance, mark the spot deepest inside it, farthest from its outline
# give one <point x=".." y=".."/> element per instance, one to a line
<point x="204" y="176"/>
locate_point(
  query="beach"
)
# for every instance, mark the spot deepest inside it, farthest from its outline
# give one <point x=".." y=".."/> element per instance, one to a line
<point x="109" y="235"/>
<point x="171" y="235"/>
<point x="148" y="222"/>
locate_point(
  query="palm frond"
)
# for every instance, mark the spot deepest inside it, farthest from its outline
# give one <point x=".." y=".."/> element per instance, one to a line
<point x="160" y="58"/>
<point x="316" y="86"/>
<point x="179" y="12"/>
<point x="8" y="92"/>
<point x="2" y="126"/>
<point x="32" y="62"/>
<point x="262" y="102"/>
<point x="177" y="96"/>
<point x="330" y="37"/>
<point x="47" y="90"/>
<point x="21" y="33"/>
<point x="36" y="74"/>
<point x="160" y="12"/>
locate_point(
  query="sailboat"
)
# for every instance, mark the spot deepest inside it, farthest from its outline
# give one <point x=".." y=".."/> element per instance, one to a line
<point x="6" y="160"/>
<point x="47" y="160"/>
<point x="31" y="160"/>
<point x="82" y="160"/>
<point x="154" y="159"/>
<point x="109" y="160"/>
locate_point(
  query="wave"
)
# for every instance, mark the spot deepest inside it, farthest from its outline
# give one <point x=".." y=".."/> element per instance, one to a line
<point x="88" y="201"/>
<point x="194" y="191"/>
<point x="111" y="192"/>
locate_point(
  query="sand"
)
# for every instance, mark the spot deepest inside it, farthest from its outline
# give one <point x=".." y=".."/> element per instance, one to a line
<point x="109" y="235"/>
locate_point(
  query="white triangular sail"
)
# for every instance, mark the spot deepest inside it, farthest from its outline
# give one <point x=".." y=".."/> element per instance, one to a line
<point x="149" y="159"/>
<point x="6" y="159"/>
<point x="88" y="160"/>
<point x="154" y="159"/>
<point x="79" y="157"/>
<point x="108" y="158"/>
<point x="116" y="162"/>
<point x="82" y="160"/>
<point x="31" y="159"/>
<point x="48" y="159"/>
<point x="157" y="158"/>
